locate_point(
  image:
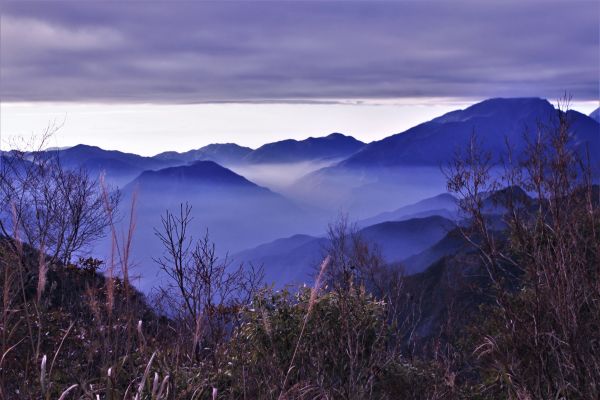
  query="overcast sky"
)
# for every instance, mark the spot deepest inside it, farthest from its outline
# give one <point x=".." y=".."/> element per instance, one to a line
<point x="292" y="69"/>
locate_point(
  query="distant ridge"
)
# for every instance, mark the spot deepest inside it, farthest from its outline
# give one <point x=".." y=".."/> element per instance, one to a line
<point x="198" y="173"/>
<point x="595" y="115"/>
<point x="97" y="157"/>
<point x="292" y="259"/>
<point x="333" y="146"/>
<point x="494" y="120"/>
<point x="430" y="143"/>
<point x="237" y="212"/>
<point x="387" y="172"/>
<point x="118" y="167"/>
<point x="443" y="204"/>
<point x="222" y="153"/>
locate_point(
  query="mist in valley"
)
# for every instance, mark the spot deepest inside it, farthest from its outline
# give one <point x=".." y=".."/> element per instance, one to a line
<point x="282" y="202"/>
<point x="280" y="177"/>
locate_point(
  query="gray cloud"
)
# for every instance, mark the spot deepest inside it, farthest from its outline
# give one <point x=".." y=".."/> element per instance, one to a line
<point x="297" y="51"/>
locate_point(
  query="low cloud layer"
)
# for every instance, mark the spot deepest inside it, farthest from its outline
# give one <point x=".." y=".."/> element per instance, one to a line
<point x="171" y="52"/>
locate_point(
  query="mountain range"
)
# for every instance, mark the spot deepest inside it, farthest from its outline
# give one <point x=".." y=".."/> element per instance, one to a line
<point x="222" y="153"/>
<point x="431" y="143"/>
<point x="118" y="167"/>
<point x="412" y="162"/>
<point x="331" y="147"/>
<point x="391" y="187"/>
<point x="494" y="121"/>
<point x="335" y="146"/>
<point x="443" y="204"/>
<point x="294" y="259"/>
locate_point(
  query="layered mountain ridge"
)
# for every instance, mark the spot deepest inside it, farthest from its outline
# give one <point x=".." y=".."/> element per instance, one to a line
<point x="391" y="187"/>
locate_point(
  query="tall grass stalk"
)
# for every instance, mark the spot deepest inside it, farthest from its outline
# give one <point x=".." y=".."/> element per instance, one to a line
<point x="313" y="298"/>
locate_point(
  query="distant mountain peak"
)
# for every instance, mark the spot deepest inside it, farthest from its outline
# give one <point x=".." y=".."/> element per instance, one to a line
<point x="199" y="172"/>
<point x="222" y="153"/>
<point x="118" y="167"/>
<point x="513" y="100"/>
<point x="224" y="146"/>
<point x="494" y="120"/>
<point x="81" y="146"/>
<point x="499" y="104"/>
<point x="332" y="146"/>
<point x="595" y="114"/>
<point x="338" y="135"/>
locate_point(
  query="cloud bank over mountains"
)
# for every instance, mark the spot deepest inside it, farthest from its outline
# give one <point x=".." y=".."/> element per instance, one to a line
<point x="297" y="51"/>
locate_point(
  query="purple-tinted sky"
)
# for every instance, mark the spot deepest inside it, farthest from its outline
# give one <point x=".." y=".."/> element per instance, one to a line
<point x="174" y="52"/>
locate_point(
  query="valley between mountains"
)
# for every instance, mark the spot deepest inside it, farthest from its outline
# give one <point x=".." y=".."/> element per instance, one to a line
<point x="271" y="206"/>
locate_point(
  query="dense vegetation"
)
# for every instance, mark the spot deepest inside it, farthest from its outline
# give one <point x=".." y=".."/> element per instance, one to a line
<point x="514" y="314"/>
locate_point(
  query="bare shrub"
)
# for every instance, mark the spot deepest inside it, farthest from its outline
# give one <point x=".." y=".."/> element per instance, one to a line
<point x="204" y="293"/>
<point x="54" y="208"/>
<point x="541" y="339"/>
